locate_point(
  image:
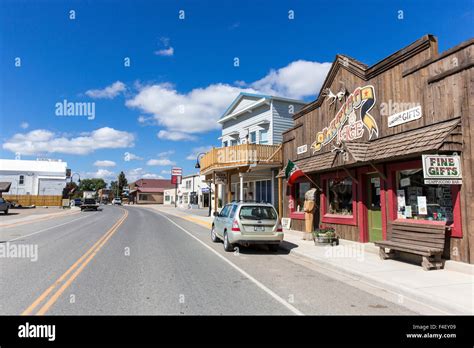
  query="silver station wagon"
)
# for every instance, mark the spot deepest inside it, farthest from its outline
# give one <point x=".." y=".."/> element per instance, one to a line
<point x="247" y="223"/>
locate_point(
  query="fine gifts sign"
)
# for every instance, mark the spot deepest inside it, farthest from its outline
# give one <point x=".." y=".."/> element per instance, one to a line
<point x="442" y="169"/>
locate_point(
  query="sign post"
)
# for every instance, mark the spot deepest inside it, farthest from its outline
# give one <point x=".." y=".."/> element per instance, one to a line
<point x="176" y="175"/>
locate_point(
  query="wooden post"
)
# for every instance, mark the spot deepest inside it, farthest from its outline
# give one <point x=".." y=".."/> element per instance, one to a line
<point x="280" y="197"/>
<point x="229" y="187"/>
<point x="216" y="191"/>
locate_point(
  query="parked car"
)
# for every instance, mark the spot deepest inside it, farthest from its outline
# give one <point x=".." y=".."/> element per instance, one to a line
<point x="117" y="201"/>
<point x="247" y="223"/>
<point x="76" y="202"/>
<point x="4" y="205"/>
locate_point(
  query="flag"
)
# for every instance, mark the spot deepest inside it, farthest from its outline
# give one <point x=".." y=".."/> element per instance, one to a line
<point x="292" y="172"/>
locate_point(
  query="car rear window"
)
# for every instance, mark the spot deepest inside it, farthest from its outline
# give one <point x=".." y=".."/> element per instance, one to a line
<point x="257" y="213"/>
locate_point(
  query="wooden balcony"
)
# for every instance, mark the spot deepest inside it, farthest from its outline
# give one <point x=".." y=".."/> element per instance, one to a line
<point x="238" y="156"/>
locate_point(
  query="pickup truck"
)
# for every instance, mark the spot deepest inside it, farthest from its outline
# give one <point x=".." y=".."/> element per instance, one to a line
<point x="89" y="204"/>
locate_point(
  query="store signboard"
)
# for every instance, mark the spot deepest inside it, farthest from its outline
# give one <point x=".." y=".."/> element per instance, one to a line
<point x="221" y="178"/>
<point x="405" y="116"/>
<point x="176" y="171"/>
<point x="176" y="179"/>
<point x="301" y="149"/>
<point x="442" y="169"/>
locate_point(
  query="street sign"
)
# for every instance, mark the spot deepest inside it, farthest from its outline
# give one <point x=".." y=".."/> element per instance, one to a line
<point x="176" y="171"/>
<point x="176" y="179"/>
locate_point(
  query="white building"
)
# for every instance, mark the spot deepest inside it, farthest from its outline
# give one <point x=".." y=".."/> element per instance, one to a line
<point x="193" y="191"/>
<point x="246" y="165"/>
<point x="40" y="177"/>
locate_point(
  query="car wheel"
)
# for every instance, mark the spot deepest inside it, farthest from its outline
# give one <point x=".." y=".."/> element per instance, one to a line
<point x="214" y="237"/>
<point x="228" y="246"/>
<point x="273" y="247"/>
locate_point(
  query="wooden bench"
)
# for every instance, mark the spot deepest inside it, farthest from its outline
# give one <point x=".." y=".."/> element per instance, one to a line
<point x="414" y="238"/>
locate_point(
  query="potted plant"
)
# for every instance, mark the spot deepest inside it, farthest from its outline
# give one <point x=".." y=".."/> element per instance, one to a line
<point x="325" y="236"/>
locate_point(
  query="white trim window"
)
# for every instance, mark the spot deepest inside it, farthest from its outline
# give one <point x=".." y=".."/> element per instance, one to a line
<point x="253" y="137"/>
<point x="263" y="137"/>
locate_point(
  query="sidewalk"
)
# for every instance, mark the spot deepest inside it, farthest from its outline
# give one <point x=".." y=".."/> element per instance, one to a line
<point x="450" y="290"/>
<point x="18" y="217"/>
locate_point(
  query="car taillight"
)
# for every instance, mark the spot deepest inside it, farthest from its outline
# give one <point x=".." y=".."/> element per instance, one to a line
<point x="279" y="227"/>
<point x="235" y="226"/>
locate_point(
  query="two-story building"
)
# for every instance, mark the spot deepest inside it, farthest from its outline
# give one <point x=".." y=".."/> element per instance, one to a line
<point x="390" y="145"/>
<point x="246" y="165"/>
<point x="193" y="191"/>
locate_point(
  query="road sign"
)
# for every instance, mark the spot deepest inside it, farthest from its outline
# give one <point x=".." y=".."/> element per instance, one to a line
<point x="176" y="171"/>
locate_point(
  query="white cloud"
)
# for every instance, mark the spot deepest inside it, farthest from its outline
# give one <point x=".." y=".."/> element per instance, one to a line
<point x="105" y="174"/>
<point x="166" y="153"/>
<point x="139" y="173"/>
<point x="24" y="125"/>
<point x="108" y="92"/>
<point x="166" y="52"/>
<point x="194" y="112"/>
<point x="175" y="136"/>
<point x="128" y="156"/>
<point x="166" y="172"/>
<point x="160" y="162"/>
<point x="196" y="151"/>
<point x="41" y="141"/>
<point x="198" y="110"/>
<point x="297" y="80"/>
<point x="105" y="163"/>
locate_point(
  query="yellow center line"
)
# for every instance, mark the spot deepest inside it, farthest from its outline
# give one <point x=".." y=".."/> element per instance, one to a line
<point x="36" y="220"/>
<point x="88" y="256"/>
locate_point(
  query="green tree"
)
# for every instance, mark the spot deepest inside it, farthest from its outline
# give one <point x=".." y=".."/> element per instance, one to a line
<point x="122" y="182"/>
<point x="70" y="189"/>
<point x="94" y="184"/>
<point x="114" y="187"/>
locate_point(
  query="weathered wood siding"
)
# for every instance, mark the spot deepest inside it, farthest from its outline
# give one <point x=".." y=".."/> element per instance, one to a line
<point x="442" y="84"/>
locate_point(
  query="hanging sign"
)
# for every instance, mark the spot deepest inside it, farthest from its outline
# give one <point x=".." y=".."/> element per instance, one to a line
<point x="362" y="98"/>
<point x="404" y="116"/>
<point x="442" y="169"/>
<point x="221" y="178"/>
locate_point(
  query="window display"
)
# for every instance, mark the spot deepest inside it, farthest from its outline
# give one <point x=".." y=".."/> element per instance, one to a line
<point x="418" y="201"/>
<point x="339" y="193"/>
<point x="300" y="190"/>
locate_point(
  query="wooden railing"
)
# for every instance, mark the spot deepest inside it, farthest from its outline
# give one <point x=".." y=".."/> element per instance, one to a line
<point x="238" y="155"/>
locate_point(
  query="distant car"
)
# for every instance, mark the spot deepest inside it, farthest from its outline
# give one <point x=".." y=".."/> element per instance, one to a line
<point x="117" y="201"/>
<point x="247" y="223"/>
<point x="4" y="205"/>
<point x="76" y="202"/>
<point x="89" y="204"/>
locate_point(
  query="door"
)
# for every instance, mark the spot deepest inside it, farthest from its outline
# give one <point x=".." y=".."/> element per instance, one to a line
<point x="374" y="212"/>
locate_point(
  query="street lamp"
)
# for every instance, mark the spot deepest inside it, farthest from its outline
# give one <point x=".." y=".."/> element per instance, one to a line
<point x="198" y="166"/>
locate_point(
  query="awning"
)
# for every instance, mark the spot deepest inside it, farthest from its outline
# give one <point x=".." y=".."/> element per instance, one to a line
<point x="5" y="186"/>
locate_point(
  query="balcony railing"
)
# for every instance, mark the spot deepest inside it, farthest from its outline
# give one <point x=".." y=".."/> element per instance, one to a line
<point x="241" y="155"/>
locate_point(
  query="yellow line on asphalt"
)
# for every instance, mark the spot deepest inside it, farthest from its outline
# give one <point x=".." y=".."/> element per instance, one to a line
<point x="36" y="220"/>
<point x="89" y="255"/>
<point x="198" y="221"/>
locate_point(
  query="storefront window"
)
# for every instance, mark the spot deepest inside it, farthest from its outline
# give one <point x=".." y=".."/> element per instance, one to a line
<point x="339" y="193"/>
<point x="300" y="190"/>
<point x="418" y="201"/>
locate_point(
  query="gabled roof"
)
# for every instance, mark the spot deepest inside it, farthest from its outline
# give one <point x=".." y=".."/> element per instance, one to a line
<point x="154" y="183"/>
<point x="262" y="99"/>
<point x="365" y="72"/>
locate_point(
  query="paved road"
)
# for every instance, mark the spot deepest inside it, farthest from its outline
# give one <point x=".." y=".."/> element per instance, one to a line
<point x="131" y="260"/>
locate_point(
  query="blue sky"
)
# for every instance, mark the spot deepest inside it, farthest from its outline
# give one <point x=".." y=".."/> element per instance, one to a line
<point x="163" y="107"/>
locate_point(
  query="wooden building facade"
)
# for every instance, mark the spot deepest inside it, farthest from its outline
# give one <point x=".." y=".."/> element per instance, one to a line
<point x="363" y="141"/>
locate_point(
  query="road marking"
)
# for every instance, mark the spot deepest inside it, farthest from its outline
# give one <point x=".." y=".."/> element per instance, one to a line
<point x="260" y="285"/>
<point x="46" y="229"/>
<point x="37" y="220"/>
<point x="88" y="256"/>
